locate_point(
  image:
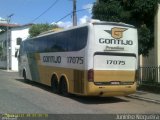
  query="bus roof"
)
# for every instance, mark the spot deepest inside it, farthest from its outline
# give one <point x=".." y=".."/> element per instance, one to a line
<point x="98" y="22"/>
<point x="92" y="22"/>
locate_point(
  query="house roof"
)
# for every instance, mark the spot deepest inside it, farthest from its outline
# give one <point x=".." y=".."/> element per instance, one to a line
<point x="3" y="26"/>
<point x="30" y="24"/>
<point x="8" y="25"/>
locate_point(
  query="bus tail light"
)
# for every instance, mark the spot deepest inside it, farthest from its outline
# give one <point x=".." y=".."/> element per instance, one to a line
<point x="90" y="75"/>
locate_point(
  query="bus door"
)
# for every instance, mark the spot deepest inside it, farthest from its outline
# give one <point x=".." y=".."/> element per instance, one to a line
<point x="33" y="58"/>
<point x="33" y="66"/>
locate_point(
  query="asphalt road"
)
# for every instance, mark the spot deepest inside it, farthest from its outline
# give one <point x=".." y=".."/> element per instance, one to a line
<point x="16" y="96"/>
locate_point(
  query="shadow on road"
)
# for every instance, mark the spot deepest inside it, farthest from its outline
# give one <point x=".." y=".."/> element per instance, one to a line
<point x="35" y="84"/>
<point x="97" y="100"/>
<point x="81" y="99"/>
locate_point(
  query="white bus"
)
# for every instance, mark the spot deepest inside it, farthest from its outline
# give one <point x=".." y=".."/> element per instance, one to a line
<point x="96" y="59"/>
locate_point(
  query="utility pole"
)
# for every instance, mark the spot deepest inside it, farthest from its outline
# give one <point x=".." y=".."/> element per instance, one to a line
<point x="74" y="13"/>
<point x="7" y="41"/>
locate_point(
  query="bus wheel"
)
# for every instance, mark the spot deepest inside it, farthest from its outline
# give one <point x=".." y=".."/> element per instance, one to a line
<point x="64" y="88"/>
<point x="54" y="84"/>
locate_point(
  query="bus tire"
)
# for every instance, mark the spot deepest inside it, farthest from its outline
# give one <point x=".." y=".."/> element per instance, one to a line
<point x="63" y="87"/>
<point x="54" y="84"/>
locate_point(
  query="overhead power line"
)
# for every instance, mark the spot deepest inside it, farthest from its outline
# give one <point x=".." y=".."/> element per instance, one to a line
<point x="71" y="14"/>
<point x="53" y="4"/>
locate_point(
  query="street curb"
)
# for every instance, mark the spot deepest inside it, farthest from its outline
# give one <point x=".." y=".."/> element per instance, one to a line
<point x="144" y="99"/>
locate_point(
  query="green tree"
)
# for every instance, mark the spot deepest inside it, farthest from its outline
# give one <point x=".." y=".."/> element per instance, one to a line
<point x="139" y="13"/>
<point x="110" y="10"/>
<point x="39" y="28"/>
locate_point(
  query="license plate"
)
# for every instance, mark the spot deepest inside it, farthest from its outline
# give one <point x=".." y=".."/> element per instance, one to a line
<point x="115" y="83"/>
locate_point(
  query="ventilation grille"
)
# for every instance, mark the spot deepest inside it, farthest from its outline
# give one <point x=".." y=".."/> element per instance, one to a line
<point x="78" y="81"/>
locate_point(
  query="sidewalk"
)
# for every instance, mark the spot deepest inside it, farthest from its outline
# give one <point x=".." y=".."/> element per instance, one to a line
<point x="8" y="70"/>
<point x="146" y="96"/>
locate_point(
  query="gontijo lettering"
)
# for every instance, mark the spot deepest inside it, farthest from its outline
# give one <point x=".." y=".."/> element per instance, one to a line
<point x="115" y="41"/>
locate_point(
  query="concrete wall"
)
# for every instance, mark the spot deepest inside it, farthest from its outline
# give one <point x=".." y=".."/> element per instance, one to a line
<point x="149" y="60"/>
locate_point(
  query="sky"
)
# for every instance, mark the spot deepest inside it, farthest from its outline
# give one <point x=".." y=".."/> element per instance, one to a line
<point x="26" y="11"/>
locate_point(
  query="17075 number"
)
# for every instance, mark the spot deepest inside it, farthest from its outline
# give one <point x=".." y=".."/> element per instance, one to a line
<point x="75" y="60"/>
<point x="116" y="62"/>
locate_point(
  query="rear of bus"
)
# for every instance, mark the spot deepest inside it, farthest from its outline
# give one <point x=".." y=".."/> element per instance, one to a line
<point x="112" y="59"/>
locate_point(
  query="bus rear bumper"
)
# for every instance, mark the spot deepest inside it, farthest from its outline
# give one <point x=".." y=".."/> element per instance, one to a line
<point x="110" y="90"/>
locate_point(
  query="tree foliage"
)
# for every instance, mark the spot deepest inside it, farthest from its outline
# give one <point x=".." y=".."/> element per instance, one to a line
<point x="139" y="13"/>
<point x="39" y="28"/>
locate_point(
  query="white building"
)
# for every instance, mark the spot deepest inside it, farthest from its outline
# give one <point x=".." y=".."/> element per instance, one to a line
<point x="15" y="31"/>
